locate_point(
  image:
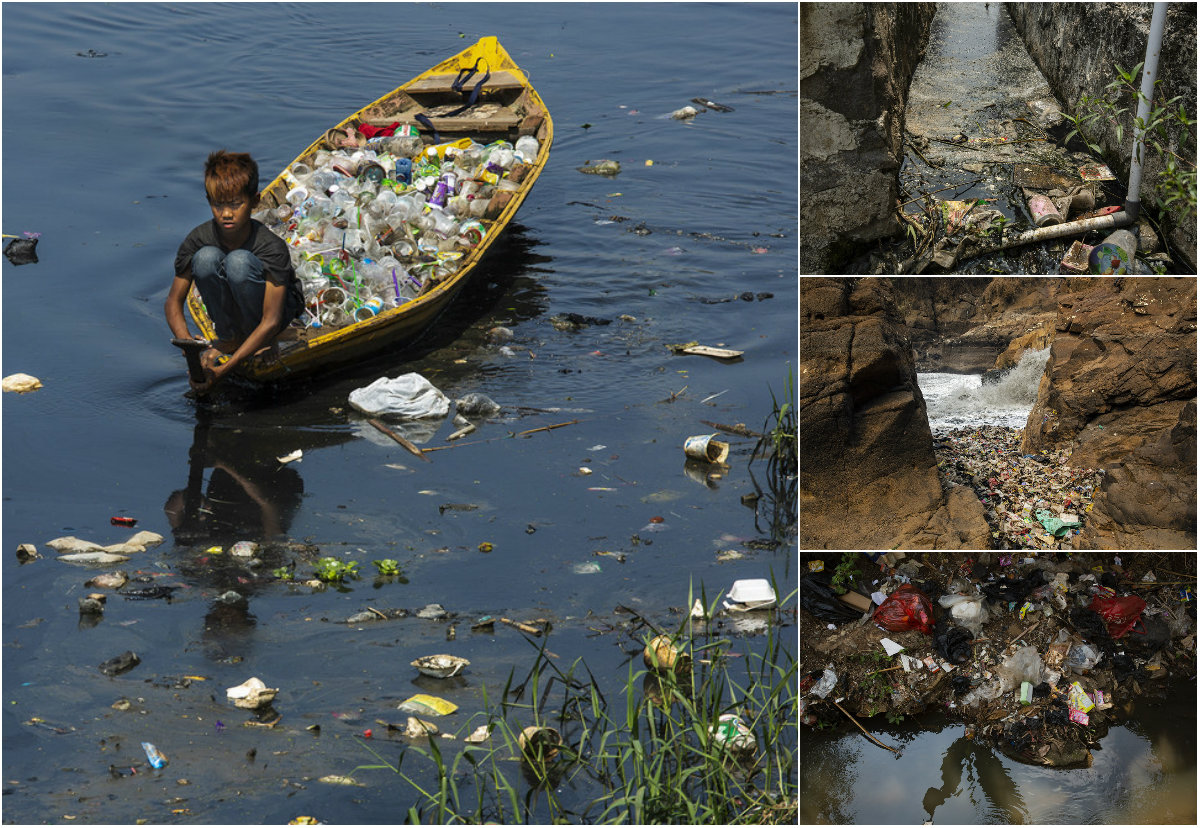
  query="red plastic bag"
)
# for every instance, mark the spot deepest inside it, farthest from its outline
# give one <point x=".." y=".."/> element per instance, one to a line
<point x="905" y="609"/>
<point x="1119" y="613"/>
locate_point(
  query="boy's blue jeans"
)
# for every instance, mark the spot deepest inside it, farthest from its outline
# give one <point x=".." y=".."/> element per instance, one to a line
<point x="232" y="287"/>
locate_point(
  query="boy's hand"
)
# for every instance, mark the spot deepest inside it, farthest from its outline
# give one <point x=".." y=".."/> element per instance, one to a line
<point x="215" y="367"/>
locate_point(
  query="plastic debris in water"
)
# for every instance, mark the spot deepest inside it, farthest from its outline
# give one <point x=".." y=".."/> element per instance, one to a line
<point x="21" y="383"/>
<point x="156" y="759"/>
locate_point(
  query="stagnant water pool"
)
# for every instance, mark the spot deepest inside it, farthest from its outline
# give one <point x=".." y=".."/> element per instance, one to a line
<point x="1143" y="773"/>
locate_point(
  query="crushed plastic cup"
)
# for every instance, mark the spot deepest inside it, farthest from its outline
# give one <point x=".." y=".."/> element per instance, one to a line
<point x="706" y="448"/>
<point x="663" y="655"/>
<point x="539" y="744"/>
<point x="251" y="694"/>
<point x="440" y="666"/>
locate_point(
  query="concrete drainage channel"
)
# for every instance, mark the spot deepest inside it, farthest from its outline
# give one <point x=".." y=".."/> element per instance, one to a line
<point x="987" y="180"/>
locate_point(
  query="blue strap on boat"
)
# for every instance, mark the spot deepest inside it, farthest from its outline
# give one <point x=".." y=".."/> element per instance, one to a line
<point x="469" y="98"/>
<point x="423" y="119"/>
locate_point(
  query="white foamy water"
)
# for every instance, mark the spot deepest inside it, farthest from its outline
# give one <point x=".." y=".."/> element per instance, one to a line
<point x="963" y="400"/>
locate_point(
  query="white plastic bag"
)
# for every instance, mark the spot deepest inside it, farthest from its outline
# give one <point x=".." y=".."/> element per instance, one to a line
<point x="967" y="611"/>
<point x="408" y="395"/>
<point x="1023" y="665"/>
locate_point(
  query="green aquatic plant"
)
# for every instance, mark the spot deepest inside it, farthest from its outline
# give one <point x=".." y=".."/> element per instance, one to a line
<point x="778" y="444"/>
<point x="331" y="570"/>
<point x="387" y="566"/>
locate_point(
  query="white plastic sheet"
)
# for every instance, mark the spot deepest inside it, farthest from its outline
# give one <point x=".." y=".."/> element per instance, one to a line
<point x="408" y="396"/>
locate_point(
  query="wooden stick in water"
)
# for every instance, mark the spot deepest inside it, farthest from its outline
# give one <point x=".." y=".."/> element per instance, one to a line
<point x="864" y="730"/>
<point x="401" y="440"/>
<point x="546" y="428"/>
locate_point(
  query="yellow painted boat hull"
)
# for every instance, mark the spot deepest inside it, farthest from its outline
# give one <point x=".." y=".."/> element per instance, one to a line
<point x="515" y="109"/>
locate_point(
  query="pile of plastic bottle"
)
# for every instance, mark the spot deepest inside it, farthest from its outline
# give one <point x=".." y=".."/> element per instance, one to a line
<point x="373" y="228"/>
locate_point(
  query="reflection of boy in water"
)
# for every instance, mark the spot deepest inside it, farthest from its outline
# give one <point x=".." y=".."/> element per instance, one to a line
<point x="258" y="504"/>
<point x="990" y="774"/>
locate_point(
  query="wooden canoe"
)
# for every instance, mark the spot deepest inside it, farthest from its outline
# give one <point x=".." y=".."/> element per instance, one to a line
<point x="507" y="107"/>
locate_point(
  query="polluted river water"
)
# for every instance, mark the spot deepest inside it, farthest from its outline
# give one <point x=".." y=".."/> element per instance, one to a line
<point x="1144" y="773"/>
<point x="564" y="525"/>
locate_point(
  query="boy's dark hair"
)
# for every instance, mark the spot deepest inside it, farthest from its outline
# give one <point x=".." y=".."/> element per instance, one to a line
<point x="230" y="175"/>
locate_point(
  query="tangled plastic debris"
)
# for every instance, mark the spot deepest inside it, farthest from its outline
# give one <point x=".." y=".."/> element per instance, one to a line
<point x="1024" y="495"/>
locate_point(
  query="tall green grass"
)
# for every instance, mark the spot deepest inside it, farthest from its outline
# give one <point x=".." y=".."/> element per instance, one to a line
<point x="779" y="447"/>
<point x="648" y="754"/>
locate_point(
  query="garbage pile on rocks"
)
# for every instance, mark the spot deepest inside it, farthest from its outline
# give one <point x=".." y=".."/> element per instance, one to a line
<point x="1032" y="501"/>
<point x="1038" y="658"/>
<point x="371" y="229"/>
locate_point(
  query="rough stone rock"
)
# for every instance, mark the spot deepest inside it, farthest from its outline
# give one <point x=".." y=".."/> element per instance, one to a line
<point x="868" y="476"/>
<point x="1148" y="500"/>
<point x="961" y="325"/>
<point x="856" y="62"/>
<point x="1120" y="388"/>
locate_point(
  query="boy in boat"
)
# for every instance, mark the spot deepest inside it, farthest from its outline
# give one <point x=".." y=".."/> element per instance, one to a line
<point x="242" y="270"/>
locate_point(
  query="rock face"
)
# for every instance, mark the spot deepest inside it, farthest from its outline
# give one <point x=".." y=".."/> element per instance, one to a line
<point x="1120" y="386"/>
<point x="1077" y="46"/>
<point x="969" y="326"/>
<point x="868" y="476"/>
<point x="856" y="62"/>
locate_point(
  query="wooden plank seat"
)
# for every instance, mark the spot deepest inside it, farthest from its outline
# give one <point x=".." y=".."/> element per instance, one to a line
<point x="484" y="117"/>
<point x="445" y="83"/>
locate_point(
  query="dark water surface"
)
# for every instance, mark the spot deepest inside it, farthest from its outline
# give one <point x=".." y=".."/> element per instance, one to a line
<point x="1143" y="773"/>
<point x="108" y="114"/>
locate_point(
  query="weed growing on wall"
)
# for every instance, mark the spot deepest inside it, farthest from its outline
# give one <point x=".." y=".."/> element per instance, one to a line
<point x="1175" y="187"/>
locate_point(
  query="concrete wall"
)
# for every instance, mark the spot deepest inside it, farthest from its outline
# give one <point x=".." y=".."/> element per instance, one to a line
<point x="1077" y="46"/>
<point x="856" y="62"/>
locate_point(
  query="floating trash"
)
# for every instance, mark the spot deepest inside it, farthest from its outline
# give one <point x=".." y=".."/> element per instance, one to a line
<point x="662" y="655"/>
<point x="21" y="383"/>
<point x="251" y="694"/>
<point x="440" y="666"/>
<point x="426" y="705"/>
<point x="539" y="744"/>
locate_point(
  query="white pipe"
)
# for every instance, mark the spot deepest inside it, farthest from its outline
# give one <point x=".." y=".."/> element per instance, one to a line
<point x="1055" y="231"/>
<point x="1149" y="74"/>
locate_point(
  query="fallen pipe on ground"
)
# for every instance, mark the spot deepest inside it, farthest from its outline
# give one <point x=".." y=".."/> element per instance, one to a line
<point x="1056" y="231"/>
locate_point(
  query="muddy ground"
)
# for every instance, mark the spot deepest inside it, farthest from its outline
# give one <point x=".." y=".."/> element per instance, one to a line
<point x="1038" y="733"/>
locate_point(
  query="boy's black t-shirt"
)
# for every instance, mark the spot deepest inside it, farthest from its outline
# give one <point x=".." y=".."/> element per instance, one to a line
<point x="271" y="250"/>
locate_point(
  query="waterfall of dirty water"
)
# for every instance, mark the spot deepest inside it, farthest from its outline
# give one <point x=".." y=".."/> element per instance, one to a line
<point x="961" y="400"/>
